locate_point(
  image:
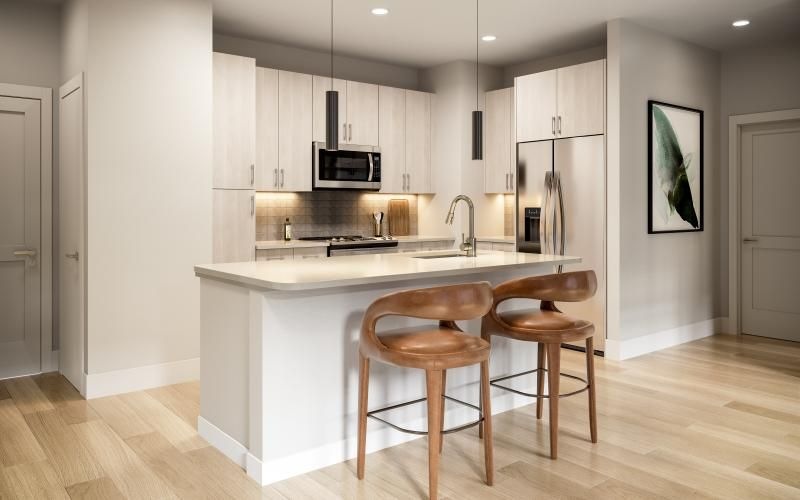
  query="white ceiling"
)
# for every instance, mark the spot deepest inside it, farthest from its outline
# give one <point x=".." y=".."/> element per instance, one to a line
<point x="424" y="33"/>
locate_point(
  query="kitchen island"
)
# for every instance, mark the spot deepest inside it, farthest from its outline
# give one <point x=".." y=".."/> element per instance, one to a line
<point x="279" y="353"/>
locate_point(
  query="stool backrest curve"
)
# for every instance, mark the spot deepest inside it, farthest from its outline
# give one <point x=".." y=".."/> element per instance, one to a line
<point x="575" y="286"/>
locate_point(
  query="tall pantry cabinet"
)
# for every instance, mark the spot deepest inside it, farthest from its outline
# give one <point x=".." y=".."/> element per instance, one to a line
<point x="234" y="122"/>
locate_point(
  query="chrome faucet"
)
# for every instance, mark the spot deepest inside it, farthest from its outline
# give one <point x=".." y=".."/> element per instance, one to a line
<point x="468" y="245"/>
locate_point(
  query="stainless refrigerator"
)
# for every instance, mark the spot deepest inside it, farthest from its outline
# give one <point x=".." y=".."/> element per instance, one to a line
<point x="561" y="209"/>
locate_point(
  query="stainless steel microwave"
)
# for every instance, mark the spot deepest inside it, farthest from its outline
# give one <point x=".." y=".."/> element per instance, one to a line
<point x="349" y="167"/>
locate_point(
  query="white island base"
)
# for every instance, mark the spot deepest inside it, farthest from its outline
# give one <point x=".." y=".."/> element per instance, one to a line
<point x="279" y="355"/>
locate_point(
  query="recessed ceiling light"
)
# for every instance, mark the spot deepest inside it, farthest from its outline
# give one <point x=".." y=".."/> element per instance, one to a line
<point x="380" y="11"/>
<point x="741" y="23"/>
<point x="488" y="38"/>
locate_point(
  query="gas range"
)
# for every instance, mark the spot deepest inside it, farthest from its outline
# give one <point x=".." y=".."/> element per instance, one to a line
<point x="353" y="242"/>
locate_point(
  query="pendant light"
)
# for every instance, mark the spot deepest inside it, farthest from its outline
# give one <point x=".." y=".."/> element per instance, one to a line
<point x="477" y="115"/>
<point x="331" y="107"/>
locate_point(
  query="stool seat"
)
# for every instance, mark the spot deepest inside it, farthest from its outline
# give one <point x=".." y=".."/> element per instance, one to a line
<point x="538" y="325"/>
<point x="433" y="347"/>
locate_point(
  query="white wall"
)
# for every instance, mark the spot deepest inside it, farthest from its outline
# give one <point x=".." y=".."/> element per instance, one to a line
<point x="752" y="81"/>
<point x="273" y="55"/>
<point x="666" y="281"/>
<point x="453" y="170"/>
<point x="149" y="179"/>
<point x="29" y="43"/>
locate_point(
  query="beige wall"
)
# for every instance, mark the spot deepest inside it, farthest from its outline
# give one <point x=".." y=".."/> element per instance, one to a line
<point x="273" y="55"/>
<point x="149" y="179"/>
<point x="752" y="81"/>
<point x="453" y="170"/>
<point x="667" y="280"/>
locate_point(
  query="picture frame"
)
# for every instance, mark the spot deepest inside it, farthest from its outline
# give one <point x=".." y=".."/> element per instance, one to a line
<point x="674" y="168"/>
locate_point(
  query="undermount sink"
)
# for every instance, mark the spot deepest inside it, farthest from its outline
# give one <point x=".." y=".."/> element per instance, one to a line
<point x="439" y="256"/>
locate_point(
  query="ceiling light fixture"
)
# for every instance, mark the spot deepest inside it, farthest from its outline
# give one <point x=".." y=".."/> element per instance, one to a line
<point x="477" y="115"/>
<point x="488" y="38"/>
<point x="380" y="11"/>
<point x="741" y="23"/>
<point x="331" y="107"/>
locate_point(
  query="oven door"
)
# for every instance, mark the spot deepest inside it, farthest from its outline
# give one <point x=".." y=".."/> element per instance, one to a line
<point x="352" y="167"/>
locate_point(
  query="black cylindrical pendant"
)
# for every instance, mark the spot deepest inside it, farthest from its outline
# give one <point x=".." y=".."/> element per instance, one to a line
<point x="477" y="135"/>
<point x="331" y="120"/>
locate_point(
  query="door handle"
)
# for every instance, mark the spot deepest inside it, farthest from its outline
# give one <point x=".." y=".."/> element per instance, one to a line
<point x="71" y="255"/>
<point x="750" y="240"/>
<point x="25" y="253"/>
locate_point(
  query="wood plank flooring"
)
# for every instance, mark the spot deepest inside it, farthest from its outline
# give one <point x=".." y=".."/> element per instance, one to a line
<point x="715" y="418"/>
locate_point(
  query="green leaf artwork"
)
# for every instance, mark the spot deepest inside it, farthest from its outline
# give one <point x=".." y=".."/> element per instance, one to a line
<point x="671" y="166"/>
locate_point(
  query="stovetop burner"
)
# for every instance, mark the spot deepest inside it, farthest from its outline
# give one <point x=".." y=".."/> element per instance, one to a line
<point x="347" y="238"/>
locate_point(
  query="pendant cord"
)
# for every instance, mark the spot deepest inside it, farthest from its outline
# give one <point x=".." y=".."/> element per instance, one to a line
<point x="331" y="44"/>
<point x="477" y="34"/>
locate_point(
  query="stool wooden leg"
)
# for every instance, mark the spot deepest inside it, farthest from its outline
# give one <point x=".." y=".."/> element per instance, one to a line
<point x="434" y="383"/>
<point x="363" y="393"/>
<point x="480" y="405"/>
<point x="591" y="391"/>
<point x="540" y="362"/>
<point x="554" y="363"/>
<point x="486" y="408"/>
<point x="444" y="390"/>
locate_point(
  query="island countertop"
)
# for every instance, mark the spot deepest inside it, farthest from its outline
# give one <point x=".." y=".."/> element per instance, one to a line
<point x="353" y="270"/>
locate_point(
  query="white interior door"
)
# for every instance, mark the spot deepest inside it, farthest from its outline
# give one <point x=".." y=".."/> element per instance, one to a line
<point x="771" y="230"/>
<point x="71" y="234"/>
<point x="20" y="236"/>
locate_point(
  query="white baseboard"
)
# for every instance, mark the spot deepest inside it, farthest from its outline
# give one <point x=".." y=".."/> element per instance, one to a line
<point x="626" y="349"/>
<point x="229" y="447"/>
<point x="272" y="471"/>
<point x="103" y="384"/>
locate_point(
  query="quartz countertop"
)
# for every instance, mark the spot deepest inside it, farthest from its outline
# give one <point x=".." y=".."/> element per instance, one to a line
<point x="353" y="270"/>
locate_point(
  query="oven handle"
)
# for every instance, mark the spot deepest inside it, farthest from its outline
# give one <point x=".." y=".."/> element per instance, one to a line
<point x="371" y="167"/>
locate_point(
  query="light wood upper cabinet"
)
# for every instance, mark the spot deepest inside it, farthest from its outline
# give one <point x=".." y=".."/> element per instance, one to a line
<point x="392" y="138"/>
<point x="536" y="106"/>
<point x="362" y="113"/>
<point x="418" y="142"/>
<point x="295" y="97"/>
<point x="499" y="157"/>
<point x="266" y="129"/>
<point x="581" y="99"/>
<point x="234" y="117"/>
<point x="234" y="225"/>
<point x="322" y="84"/>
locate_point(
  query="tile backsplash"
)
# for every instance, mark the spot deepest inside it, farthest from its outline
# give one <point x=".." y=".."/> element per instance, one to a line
<point x="324" y="213"/>
<point x="509" y="215"/>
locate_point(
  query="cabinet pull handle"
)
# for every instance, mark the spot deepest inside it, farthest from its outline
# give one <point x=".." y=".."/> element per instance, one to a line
<point x="283" y="177"/>
<point x="350" y="127"/>
<point x="506" y="182"/>
<point x="252" y="204"/>
<point x="344" y="131"/>
<point x="559" y="124"/>
<point x="275" y="178"/>
<point x="252" y="174"/>
<point x="511" y="182"/>
<point x="553" y="125"/>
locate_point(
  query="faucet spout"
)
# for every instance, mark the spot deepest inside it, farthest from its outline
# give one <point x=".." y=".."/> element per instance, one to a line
<point x="468" y="245"/>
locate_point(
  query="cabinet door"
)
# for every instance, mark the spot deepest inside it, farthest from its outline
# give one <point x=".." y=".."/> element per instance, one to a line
<point x="503" y="247"/>
<point x="234" y="119"/>
<point x="392" y="139"/>
<point x="295" y="96"/>
<point x="310" y="253"/>
<point x="274" y="254"/>
<point x="234" y="225"/>
<point x="266" y="129"/>
<point x="535" y="106"/>
<point x="412" y="246"/>
<point x="362" y="113"/>
<point x="418" y="142"/>
<point x="581" y="99"/>
<point x="499" y="141"/>
<point x="322" y="84"/>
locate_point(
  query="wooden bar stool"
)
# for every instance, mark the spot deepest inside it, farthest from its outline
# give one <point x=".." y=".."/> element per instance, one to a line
<point x="550" y="328"/>
<point x="435" y="349"/>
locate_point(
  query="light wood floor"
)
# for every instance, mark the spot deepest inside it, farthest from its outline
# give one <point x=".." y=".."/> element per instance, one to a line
<point x="715" y="418"/>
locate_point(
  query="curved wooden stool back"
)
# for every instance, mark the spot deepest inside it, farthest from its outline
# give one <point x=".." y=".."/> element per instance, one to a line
<point x="550" y="327"/>
<point x="417" y="348"/>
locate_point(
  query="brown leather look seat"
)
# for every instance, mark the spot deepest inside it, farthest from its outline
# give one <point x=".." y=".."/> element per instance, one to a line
<point x="433" y="348"/>
<point x="550" y="327"/>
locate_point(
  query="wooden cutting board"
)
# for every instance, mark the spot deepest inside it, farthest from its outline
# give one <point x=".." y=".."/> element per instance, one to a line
<point x="398" y="218"/>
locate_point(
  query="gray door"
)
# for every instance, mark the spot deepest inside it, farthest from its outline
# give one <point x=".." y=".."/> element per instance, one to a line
<point x="20" y="228"/>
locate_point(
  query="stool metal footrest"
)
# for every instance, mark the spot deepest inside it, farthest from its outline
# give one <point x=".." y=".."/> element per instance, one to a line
<point x="372" y="413"/>
<point x="494" y="383"/>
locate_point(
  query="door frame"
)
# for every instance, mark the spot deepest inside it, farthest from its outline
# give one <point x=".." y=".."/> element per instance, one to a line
<point x="49" y="358"/>
<point x="735" y="125"/>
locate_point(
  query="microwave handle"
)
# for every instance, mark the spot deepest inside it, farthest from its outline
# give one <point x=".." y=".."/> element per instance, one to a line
<point x="371" y="167"/>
